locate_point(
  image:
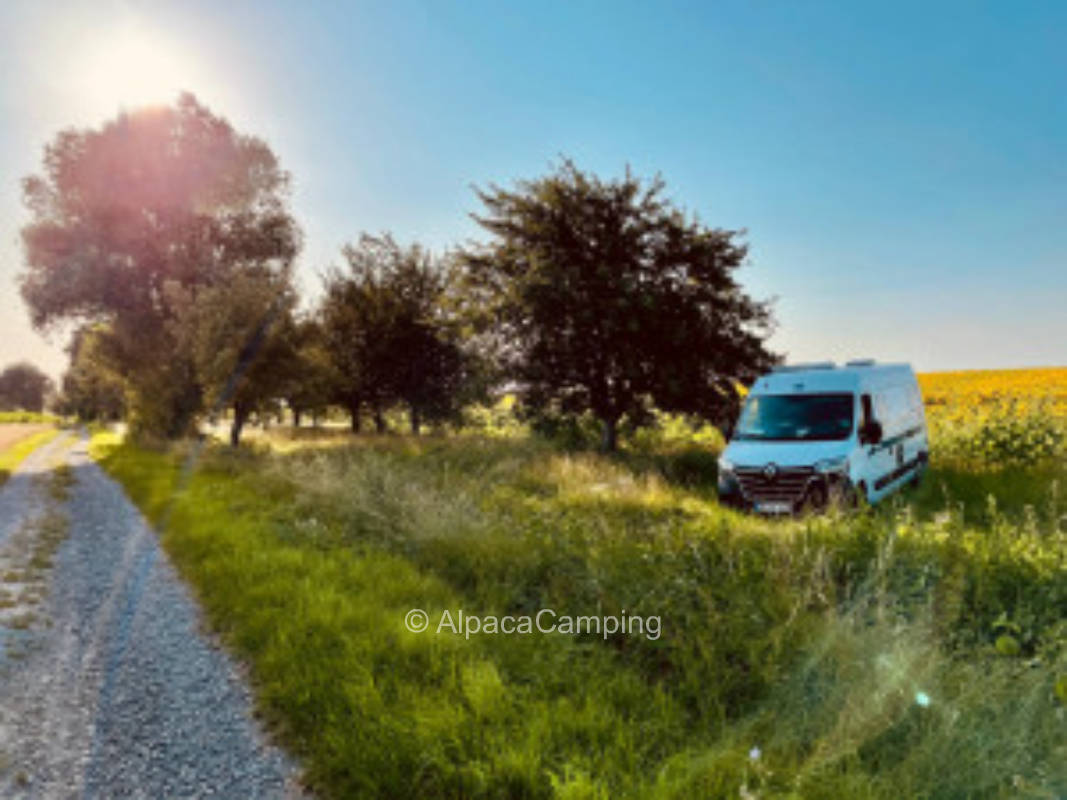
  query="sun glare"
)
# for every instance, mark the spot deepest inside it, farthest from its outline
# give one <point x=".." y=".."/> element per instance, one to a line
<point x="132" y="69"/>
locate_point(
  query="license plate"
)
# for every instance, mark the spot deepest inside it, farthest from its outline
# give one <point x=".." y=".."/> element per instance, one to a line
<point x="774" y="508"/>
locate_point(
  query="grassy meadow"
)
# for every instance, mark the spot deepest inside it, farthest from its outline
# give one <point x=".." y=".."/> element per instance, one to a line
<point x="918" y="649"/>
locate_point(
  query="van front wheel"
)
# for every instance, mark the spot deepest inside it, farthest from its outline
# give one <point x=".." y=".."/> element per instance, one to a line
<point x="816" y="499"/>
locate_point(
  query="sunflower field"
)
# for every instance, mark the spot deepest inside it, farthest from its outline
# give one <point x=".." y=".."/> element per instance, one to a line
<point x="996" y="419"/>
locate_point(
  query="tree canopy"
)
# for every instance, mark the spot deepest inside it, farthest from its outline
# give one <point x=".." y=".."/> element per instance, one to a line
<point x="387" y="329"/>
<point x="607" y="298"/>
<point x="23" y="386"/>
<point x="239" y="334"/>
<point x="309" y="387"/>
<point x="90" y="388"/>
<point x="159" y="197"/>
<point x="165" y="238"/>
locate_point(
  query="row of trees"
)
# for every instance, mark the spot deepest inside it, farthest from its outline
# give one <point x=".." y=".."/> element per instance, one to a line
<point x="165" y="237"/>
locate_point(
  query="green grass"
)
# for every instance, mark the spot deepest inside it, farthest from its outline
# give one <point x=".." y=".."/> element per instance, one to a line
<point x="12" y="456"/>
<point x="812" y="640"/>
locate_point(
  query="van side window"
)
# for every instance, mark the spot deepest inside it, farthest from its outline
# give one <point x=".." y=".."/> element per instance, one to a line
<point x="865" y="407"/>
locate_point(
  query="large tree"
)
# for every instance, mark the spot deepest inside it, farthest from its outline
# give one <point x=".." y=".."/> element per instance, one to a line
<point x="159" y="197"/>
<point x="23" y="386"/>
<point x="606" y="297"/>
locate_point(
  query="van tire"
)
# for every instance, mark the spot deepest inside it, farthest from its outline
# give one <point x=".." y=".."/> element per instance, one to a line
<point x="844" y="496"/>
<point x="815" y="500"/>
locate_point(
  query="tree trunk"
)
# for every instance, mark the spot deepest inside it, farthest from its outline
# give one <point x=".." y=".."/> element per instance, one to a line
<point x="353" y="411"/>
<point x="416" y="421"/>
<point x="240" y="416"/>
<point x="609" y="434"/>
<point x="379" y="420"/>
<point x="296" y="417"/>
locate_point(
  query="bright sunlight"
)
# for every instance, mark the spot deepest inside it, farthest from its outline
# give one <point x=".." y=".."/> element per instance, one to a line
<point x="131" y="69"/>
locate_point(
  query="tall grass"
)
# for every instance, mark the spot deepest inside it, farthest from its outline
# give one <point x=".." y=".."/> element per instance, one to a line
<point x="843" y="656"/>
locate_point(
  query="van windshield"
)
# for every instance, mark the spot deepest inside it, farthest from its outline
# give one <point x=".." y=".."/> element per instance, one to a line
<point x="785" y="417"/>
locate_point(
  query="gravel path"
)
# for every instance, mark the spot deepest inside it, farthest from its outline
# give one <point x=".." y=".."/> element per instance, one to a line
<point x="116" y="691"/>
<point x="19" y="498"/>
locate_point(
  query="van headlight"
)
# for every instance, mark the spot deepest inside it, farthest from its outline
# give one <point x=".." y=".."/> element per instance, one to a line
<point x="829" y="466"/>
<point x="726" y="468"/>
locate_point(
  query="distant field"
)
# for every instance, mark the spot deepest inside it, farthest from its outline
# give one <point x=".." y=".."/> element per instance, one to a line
<point x="981" y="387"/>
<point x="997" y="419"/>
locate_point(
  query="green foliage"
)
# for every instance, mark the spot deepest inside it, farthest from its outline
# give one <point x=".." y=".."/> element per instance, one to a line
<point x="241" y="337"/>
<point x="857" y="654"/>
<point x="670" y="431"/>
<point x="388" y="334"/>
<point x="1007" y="645"/>
<point x="568" y="431"/>
<point x="607" y="299"/>
<point x="92" y="390"/>
<point x="1061" y="689"/>
<point x="153" y="199"/>
<point x="678" y="443"/>
<point x="310" y="384"/>
<point x="498" y="419"/>
<point x="23" y="387"/>
<point x="1004" y="434"/>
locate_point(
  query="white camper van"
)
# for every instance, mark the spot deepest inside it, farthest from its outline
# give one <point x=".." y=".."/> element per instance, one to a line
<point x="813" y="432"/>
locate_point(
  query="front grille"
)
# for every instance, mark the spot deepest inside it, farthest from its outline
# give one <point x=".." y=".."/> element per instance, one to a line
<point x="787" y="486"/>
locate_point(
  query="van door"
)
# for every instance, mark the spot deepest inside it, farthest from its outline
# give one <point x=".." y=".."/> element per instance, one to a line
<point x="918" y="448"/>
<point x="881" y="457"/>
<point x="898" y="453"/>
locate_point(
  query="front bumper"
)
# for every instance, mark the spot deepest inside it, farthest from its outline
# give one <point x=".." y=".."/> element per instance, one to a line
<point x="812" y="491"/>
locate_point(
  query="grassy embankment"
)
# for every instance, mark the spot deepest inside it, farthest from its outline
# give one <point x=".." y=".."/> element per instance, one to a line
<point x="918" y="650"/>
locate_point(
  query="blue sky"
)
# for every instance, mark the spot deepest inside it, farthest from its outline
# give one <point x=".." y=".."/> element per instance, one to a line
<point x="901" y="169"/>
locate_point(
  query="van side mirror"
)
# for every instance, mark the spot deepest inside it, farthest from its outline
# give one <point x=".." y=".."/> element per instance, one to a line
<point x="871" y="432"/>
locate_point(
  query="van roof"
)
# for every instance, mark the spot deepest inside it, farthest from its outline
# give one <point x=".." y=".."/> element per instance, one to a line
<point x="827" y="377"/>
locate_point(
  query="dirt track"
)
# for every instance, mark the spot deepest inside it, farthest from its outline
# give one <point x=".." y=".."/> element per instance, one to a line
<point x="108" y="685"/>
